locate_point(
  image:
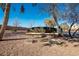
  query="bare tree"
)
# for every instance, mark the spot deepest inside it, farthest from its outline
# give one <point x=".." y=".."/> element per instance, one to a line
<point x="16" y="24"/>
<point x="31" y="23"/>
<point x="72" y="15"/>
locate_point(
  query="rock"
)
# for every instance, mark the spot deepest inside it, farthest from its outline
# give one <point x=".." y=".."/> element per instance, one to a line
<point x="34" y="41"/>
<point x="76" y="45"/>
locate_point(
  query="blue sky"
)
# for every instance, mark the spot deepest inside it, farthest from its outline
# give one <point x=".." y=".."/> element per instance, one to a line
<point x="31" y="14"/>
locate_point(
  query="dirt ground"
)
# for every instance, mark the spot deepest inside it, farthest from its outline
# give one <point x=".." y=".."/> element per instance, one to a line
<point x="27" y="48"/>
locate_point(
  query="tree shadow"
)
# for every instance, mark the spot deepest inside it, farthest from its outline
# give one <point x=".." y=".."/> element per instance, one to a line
<point x="13" y="39"/>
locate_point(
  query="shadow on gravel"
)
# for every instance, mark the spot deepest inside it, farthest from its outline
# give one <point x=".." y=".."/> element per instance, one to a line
<point x="12" y="39"/>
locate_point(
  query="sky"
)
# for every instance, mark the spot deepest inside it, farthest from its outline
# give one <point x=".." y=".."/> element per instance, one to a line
<point x="31" y="15"/>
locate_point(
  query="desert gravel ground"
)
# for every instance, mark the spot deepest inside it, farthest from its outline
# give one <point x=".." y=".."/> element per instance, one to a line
<point x="27" y="48"/>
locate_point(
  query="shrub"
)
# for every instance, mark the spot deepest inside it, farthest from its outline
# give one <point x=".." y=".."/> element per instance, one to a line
<point x="31" y="30"/>
<point x="56" y="42"/>
<point x="42" y="30"/>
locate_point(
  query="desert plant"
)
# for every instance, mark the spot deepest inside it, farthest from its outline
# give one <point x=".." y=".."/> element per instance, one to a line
<point x="42" y="30"/>
<point x="56" y="42"/>
<point x="31" y="30"/>
<point x="49" y="23"/>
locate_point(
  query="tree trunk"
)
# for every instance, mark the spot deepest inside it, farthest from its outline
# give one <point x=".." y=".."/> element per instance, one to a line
<point x="75" y="32"/>
<point x="5" y="21"/>
<point x="70" y="30"/>
<point x="59" y="29"/>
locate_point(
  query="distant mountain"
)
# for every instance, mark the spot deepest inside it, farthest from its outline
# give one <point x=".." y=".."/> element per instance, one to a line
<point x="12" y="27"/>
